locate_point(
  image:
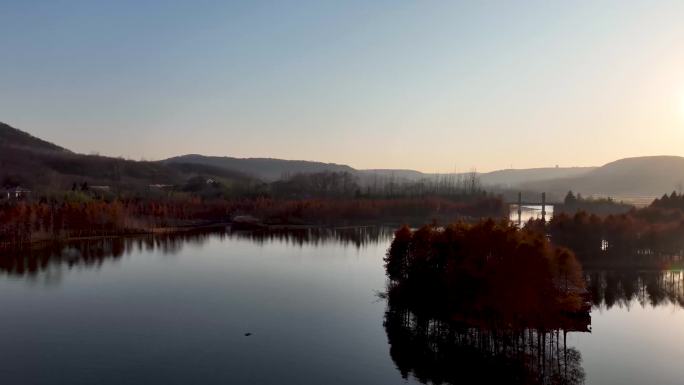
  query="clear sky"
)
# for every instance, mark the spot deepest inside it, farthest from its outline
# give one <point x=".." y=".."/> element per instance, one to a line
<point x="425" y="84"/>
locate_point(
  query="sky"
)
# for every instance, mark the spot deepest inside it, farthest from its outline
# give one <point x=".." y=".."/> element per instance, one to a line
<point x="431" y="85"/>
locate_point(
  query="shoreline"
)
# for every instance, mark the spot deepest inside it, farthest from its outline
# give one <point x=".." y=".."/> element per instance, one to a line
<point x="39" y="243"/>
<point x="42" y="242"/>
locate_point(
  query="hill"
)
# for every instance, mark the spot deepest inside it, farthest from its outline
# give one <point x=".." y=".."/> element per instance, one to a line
<point x="34" y="163"/>
<point x="629" y="179"/>
<point x="267" y="169"/>
<point x="512" y="177"/>
<point x="11" y="137"/>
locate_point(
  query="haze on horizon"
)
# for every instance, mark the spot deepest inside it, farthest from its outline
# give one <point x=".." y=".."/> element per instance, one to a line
<point x="426" y="85"/>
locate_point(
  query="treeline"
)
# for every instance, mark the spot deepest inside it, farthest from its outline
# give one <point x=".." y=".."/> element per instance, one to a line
<point x="487" y="271"/>
<point x="210" y="194"/>
<point x="649" y="236"/>
<point x="447" y="185"/>
<point x="316" y="185"/>
<point x="370" y="211"/>
<point x="208" y="182"/>
<point x="329" y="184"/>
<point x="673" y="201"/>
<point x="600" y="206"/>
<point x="22" y="222"/>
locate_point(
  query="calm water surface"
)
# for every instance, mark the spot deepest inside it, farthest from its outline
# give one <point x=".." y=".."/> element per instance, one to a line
<point x="176" y="311"/>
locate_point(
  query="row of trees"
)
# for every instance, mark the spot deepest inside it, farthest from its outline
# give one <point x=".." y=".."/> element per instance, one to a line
<point x="24" y="222"/>
<point x="672" y="201"/>
<point x="372" y="211"/>
<point x="600" y="206"/>
<point x="222" y="184"/>
<point x="446" y="185"/>
<point x="322" y="184"/>
<point x="344" y="184"/>
<point x="646" y="236"/>
<point x="79" y="215"/>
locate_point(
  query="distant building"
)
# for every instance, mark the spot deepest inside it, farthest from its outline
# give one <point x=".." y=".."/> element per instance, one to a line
<point x="16" y="193"/>
<point x="100" y="188"/>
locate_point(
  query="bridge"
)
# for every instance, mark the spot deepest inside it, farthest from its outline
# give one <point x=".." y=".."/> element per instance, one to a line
<point x="520" y="204"/>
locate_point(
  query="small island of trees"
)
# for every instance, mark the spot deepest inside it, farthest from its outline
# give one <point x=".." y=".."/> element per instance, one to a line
<point x="487" y="270"/>
<point x="484" y="303"/>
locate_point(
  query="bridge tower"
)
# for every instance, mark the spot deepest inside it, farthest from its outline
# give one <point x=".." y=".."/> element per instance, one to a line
<point x="519" y="209"/>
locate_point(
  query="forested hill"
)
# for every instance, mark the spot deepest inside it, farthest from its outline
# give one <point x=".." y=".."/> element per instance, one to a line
<point x="11" y="137"/>
<point x="513" y="177"/>
<point x="267" y="169"/>
<point x="33" y="163"/>
<point x="630" y="177"/>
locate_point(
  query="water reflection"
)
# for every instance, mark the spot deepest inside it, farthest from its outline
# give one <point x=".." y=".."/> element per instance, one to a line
<point x="528" y="212"/>
<point x="351" y="236"/>
<point x="137" y="318"/>
<point x="624" y="288"/>
<point x="434" y="350"/>
<point x="93" y="253"/>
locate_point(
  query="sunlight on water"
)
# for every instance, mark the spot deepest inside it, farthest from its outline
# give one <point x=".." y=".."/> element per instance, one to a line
<point x="529" y="212"/>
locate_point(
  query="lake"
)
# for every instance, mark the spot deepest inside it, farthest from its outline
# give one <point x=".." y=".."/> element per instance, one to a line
<point x="250" y="308"/>
<point x="528" y="212"/>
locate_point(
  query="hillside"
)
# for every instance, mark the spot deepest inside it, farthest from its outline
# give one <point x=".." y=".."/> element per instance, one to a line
<point x="11" y="137"/>
<point x="512" y="177"/>
<point x="31" y="162"/>
<point x="628" y="178"/>
<point x="267" y="169"/>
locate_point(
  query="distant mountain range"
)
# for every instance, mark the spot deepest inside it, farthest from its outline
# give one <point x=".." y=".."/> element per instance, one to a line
<point x="33" y="162"/>
<point x="269" y="169"/>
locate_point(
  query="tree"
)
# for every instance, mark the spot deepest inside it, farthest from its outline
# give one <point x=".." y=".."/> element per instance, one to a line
<point x="570" y="199"/>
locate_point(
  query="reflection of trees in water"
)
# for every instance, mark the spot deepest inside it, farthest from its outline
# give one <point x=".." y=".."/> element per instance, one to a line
<point x="92" y="253"/>
<point x="85" y="253"/>
<point x="645" y="287"/>
<point x="438" y="351"/>
<point x="356" y="236"/>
